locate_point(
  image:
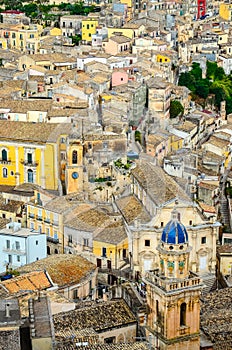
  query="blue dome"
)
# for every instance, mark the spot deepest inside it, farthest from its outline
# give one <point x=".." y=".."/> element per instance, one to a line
<point x="174" y="233"/>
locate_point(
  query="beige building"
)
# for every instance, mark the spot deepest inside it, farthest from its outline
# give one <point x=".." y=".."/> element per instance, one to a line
<point x="173" y="293"/>
<point x="147" y="210"/>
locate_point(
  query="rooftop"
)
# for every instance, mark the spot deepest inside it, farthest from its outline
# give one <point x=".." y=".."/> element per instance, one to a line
<point x="64" y="269"/>
<point x="36" y="132"/>
<point x="157" y="184"/>
<point x="132" y="209"/>
<point x="99" y="316"/>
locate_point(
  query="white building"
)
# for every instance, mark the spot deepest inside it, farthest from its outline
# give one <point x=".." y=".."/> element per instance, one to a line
<point x="20" y="246"/>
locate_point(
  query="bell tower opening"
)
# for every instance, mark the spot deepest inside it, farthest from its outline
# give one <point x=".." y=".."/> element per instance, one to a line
<point x="183" y="314"/>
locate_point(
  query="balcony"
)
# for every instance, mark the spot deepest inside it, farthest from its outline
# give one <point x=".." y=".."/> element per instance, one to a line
<point x="13" y="250"/>
<point x="5" y="161"/>
<point x="38" y="217"/>
<point x="47" y="220"/>
<point x="31" y="216"/>
<point x="53" y="240"/>
<point x="29" y="164"/>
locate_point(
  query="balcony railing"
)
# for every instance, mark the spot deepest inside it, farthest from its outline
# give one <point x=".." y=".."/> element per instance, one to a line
<point x="47" y="220"/>
<point x="38" y="217"/>
<point x="14" y="251"/>
<point x="31" y="216"/>
<point x="31" y="164"/>
<point x="53" y="240"/>
<point x="3" y="161"/>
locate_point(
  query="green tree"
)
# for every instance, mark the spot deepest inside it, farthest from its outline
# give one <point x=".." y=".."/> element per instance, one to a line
<point x="76" y="39"/>
<point x="176" y="109"/>
<point x="186" y="79"/>
<point x="202" y="89"/>
<point x="219" y="74"/>
<point x="211" y="68"/>
<point x="196" y="71"/>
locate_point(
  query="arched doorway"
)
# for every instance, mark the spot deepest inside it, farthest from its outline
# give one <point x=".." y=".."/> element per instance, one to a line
<point x="56" y="251"/>
<point x="48" y="250"/>
<point x="30" y="176"/>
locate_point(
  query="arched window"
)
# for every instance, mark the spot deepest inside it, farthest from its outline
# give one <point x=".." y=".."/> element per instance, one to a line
<point x="4" y="172"/>
<point x="183" y="314"/>
<point x="74" y="157"/>
<point x="30" y="176"/>
<point x="4" y="155"/>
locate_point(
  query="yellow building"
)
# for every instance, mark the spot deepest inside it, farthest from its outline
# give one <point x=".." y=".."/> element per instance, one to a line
<point x="162" y="58"/>
<point x="175" y="143"/>
<point x="88" y="28"/>
<point x="225" y="11"/>
<point x="45" y="213"/>
<point x="3" y="43"/>
<point x="110" y="245"/>
<point x="72" y="168"/>
<point x="23" y="37"/>
<point x="29" y="153"/>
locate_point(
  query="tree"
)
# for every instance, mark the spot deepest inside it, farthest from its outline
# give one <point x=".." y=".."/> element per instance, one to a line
<point x="219" y="74"/>
<point x="176" y="109"/>
<point x="202" y="89"/>
<point x="196" y="71"/>
<point x="186" y="79"/>
<point x="211" y="68"/>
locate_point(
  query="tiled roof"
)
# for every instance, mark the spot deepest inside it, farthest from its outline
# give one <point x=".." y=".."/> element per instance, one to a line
<point x="114" y="233"/>
<point x="131" y="208"/>
<point x="37" y="132"/>
<point x="99" y="316"/>
<point x="207" y="208"/>
<point x="208" y="185"/>
<point x="120" y="39"/>
<point x="32" y="281"/>
<point x="64" y="269"/>
<point x="102" y="346"/>
<point x="157" y="184"/>
<point x="60" y="204"/>
<point x="216" y="141"/>
<point x="10" y="206"/>
<point x="89" y="220"/>
<point x="216" y="318"/>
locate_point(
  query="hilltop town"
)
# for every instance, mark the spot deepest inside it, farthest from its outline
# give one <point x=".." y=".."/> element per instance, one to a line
<point x="116" y="175"/>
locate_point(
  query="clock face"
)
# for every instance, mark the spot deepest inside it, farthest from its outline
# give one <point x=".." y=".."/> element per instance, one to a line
<point x="75" y="175"/>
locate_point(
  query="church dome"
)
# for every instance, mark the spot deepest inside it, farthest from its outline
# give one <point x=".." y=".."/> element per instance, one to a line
<point x="174" y="232"/>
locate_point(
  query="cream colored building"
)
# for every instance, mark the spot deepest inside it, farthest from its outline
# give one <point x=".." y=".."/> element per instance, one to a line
<point x="147" y="210"/>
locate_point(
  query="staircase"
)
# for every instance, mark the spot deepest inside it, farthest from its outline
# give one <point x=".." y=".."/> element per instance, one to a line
<point x="224" y="208"/>
<point x="210" y="283"/>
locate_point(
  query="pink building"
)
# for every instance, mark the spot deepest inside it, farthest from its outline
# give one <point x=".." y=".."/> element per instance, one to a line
<point x="119" y="77"/>
<point x="116" y="44"/>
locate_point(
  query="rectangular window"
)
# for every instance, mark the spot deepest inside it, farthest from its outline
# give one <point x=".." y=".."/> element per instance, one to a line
<point x="104" y="252"/>
<point x="147" y="242"/>
<point x="36" y="242"/>
<point x="10" y="259"/>
<point x="8" y="244"/>
<point x="86" y="242"/>
<point x="69" y="238"/>
<point x="87" y="27"/>
<point x="47" y="231"/>
<point x="203" y="240"/>
<point x="17" y="245"/>
<point x="29" y="158"/>
<point x="75" y="294"/>
<point x="18" y="258"/>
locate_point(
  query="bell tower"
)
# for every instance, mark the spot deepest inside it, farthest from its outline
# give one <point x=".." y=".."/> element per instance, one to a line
<point x="173" y="293"/>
